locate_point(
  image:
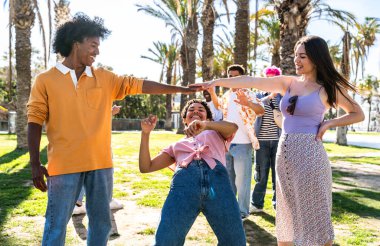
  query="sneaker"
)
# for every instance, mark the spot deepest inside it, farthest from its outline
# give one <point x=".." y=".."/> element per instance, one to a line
<point x="254" y="209"/>
<point x="79" y="210"/>
<point x="115" y="204"/>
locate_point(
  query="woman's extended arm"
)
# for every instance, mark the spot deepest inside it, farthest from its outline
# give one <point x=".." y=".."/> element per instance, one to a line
<point x="146" y="164"/>
<point x="277" y="84"/>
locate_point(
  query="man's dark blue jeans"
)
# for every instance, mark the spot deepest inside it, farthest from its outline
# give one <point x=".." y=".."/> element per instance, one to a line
<point x="265" y="160"/>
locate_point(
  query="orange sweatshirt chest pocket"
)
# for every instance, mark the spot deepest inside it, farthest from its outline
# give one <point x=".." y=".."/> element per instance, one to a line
<point x="94" y="97"/>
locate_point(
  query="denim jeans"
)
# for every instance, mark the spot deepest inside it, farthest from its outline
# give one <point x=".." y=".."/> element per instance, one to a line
<point x="265" y="160"/>
<point x="63" y="191"/>
<point x="239" y="166"/>
<point x="196" y="189"/>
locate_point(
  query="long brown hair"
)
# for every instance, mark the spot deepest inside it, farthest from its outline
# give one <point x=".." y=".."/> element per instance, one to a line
<point x="318" y="52"/>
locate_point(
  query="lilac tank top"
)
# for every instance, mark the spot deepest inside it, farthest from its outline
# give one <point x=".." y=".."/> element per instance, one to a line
<point x="308" y="113"/>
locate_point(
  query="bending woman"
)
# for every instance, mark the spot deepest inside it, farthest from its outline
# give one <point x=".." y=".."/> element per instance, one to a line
<point x="200" y="182"/>
<point x="303" y="172"/>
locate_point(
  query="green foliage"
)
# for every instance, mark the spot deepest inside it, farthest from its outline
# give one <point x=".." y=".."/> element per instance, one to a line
<point x="138" y="106"/>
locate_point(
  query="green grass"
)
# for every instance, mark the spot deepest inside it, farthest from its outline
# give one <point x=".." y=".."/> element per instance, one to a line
<point x="356" y="160"/>
<point x="335" y="149"/>
<point x="22" y="207"/>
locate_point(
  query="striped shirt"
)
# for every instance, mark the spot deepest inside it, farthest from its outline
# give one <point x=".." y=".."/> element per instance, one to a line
<point x="269" y="129"/>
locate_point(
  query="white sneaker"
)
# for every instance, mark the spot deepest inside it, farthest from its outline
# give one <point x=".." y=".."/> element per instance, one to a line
<point x="254" y="209"/>
<point x="115" y="204"/>
<point x="79" y="210"/>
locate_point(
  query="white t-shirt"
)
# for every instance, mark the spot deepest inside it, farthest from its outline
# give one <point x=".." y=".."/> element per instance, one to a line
<point x="217" y="114"/>
<point x="233" y="115"/>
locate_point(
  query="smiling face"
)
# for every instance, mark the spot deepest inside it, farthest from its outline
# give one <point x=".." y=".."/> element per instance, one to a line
<point x="302" y="62"/>
<point x="196" y="111"/>
<point x="87" y="50"/>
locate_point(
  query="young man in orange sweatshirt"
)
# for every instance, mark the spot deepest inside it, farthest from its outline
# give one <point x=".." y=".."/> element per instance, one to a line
<point x="74" y="100"/>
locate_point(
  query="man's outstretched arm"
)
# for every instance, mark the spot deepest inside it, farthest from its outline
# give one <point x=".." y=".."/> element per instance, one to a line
<point x="151" y="87"/>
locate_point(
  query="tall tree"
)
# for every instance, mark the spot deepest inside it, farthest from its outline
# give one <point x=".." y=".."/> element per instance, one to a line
<point x="23" y="22"/>
<point x="208" y="23"/>
<point x="181" y="17"/>
<point x="369" y="89"/>
<point x="341" y="132"/>
<point x="61" y="15"/>
<point x="241" y="33"/>
<point x="167" y="56"/>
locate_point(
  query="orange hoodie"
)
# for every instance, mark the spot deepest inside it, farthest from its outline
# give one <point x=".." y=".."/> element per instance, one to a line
<point x="78" y="119"/>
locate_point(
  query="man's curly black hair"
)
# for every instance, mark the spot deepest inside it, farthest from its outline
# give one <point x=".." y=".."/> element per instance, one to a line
<point x="188" y="104"/>
<point x="75" y="30"/>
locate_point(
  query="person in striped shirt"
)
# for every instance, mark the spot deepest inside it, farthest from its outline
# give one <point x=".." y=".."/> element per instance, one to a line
<point x="268" y="134"/>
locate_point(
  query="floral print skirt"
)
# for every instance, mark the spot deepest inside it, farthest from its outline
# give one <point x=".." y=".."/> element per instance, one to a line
<point x="303" y="191"/>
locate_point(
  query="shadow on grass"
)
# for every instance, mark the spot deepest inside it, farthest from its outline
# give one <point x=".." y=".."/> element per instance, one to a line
<point x="14" y="154"/>
<point x="14" y="189"/>
<point x="344" y="202"/>
<point x="258" y="236"/>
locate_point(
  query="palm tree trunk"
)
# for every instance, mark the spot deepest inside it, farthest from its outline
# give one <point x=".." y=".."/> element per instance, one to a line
<point x="208" y="22"/>
<point x="294" y="20"/>
<point x="168" y="102"/>
<point x="62" y="15"/>
<point x="188" y="60"/>
<point x="11" y="13"/>
<point x="341" y="132"/>
<point x="241" y="33"/>
<point x="23" y="22"/>
<point x="369" y="115"/>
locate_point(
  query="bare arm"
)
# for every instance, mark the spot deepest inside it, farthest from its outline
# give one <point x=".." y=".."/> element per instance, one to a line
<point x="151" y="87"/>
<point x="146" y="164"/>
<point x="354" y="114"/>
<point x="242" y="99"/>
<point x="225" y="128"/>
<point x="277" y="84"/>
<point x="214" y="98"/>
<point x="38" y="171"/>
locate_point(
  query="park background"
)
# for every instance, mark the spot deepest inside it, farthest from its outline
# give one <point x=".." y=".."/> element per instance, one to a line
<point x="136" y="34"/>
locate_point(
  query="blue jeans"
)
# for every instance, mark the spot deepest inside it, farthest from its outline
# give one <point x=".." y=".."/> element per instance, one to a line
<point x="239" y="166"/>
<point x="63" y="191"/>
<point x="196" y="189"/>
<point x="265" y="160"/>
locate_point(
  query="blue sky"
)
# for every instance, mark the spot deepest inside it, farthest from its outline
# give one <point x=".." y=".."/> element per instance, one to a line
<point x="134" y="32"/>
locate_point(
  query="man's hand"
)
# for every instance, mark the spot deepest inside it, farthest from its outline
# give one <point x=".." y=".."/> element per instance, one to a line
<point x="191" y="89"/>
<point x="204" y="85"/>
<point x="241" y="98"/>
<point x="38" y="173"/>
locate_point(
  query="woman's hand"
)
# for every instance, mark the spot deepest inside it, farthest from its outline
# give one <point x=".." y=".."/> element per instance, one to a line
<point x="148" y="124"/>
<point x="195" y="127"/>
<point x="325" y="125"/>
<point x="205" y="85"/>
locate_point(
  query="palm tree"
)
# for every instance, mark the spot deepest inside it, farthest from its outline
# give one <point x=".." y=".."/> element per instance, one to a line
<point x="208" y="23"/>
<point x="241" y="33"/>
<point x="23" y="22"/>
<point x="181" y="17"/>
<point x="62" y="15"/>
<point x="269" y="27"/>
<point x="167" y="56"/>
<point x="369" y="88"/>
<point x="294" y="18"/>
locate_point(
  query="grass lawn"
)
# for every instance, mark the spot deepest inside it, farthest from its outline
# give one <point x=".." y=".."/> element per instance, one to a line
<point x="356" y="210"/>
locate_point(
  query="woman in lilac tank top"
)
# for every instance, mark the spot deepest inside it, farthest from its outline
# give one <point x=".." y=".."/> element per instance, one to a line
<point x="303" y="172"/>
